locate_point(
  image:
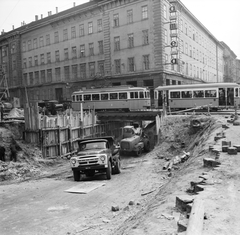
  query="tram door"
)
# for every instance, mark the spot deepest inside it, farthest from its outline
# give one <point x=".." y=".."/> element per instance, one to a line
<point x="230" y="96"/>
<point x="222" y="98"/>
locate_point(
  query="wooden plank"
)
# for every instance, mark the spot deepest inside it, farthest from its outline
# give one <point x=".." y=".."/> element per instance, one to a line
<point x="195" y="223"/>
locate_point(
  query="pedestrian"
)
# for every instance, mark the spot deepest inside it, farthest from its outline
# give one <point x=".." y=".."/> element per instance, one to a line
<point x="2" y="153"/>
<point x="13" y="149"/>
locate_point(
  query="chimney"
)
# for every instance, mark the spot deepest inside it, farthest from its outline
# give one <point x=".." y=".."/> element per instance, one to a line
<point x="2" y="32"/>
<point x="13" y="27"/>
<point x="36" y="17"/>
<point x="56" y="10"/>
<point x="49" y="13"/>
<point x="41" y="16"/>
<point x="74" y="4"/>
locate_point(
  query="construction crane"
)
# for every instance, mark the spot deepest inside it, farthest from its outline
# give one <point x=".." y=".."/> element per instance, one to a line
<point x="4" y="91"/>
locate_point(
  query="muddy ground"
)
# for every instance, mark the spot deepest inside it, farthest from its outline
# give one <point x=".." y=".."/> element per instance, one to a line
<point x="33" y="198"/>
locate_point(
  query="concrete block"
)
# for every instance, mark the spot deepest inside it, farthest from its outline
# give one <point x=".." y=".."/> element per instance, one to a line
<point x="225" y="148"/>
<point x="226" y="143"/>
<point x="232" y="151"/>
<point x="182" y="225"/>
<point x="182" y="201"/>
<point x="238" y="147"/>
<point x="209" y="162"/>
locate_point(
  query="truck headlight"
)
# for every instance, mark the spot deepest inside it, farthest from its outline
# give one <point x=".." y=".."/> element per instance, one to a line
<point x="102" y="158"/>
<point x="73" y="161"/>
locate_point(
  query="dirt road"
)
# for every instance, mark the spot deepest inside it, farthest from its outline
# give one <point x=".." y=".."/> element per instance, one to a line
<point x="43" y="207"/>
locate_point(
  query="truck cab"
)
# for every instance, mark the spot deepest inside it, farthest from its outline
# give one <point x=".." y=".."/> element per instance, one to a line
<point x="96" y="155"/>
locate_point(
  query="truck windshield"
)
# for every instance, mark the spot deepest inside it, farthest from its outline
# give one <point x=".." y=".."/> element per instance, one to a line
<point x="92" y="145"/>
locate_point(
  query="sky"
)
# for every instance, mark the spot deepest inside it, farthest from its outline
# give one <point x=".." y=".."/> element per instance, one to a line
<point x="220" y="17"/>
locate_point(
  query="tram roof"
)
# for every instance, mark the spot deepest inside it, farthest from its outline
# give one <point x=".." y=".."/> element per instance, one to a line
<point x="194" y="86"/>
<point x="110" y="89"/>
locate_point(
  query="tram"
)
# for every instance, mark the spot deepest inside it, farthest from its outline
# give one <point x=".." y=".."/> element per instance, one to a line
<point x="116" y="98"/>
<point x="213" y="95"/>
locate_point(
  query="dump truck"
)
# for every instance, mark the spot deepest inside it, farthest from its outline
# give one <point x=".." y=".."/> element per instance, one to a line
<point x="134" y="140"/>
<point x="96" y="155"/>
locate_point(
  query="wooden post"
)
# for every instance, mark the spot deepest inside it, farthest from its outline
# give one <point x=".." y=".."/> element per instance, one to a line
<point x="195" y="223"/>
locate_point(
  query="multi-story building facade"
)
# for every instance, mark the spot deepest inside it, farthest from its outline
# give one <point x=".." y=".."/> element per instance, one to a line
<point x="102" y="43"/>
<point x="230" y="64"/>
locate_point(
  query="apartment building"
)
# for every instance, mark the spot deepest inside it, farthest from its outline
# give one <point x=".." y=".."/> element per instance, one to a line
<point x="109" y="43"/>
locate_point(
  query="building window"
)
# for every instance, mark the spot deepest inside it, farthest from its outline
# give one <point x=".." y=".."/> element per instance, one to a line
<point x="165" y="37"/>
<point x="101" y="67"/>
<point x="146" y="62"/>
<point x="36" y="60"/>
<point x="57" y="56"/>
<point x="24" y="46"/>
<point x="144" y="12"/>
<point x="117" y="66"/>
<point x="131" y="66"/>
<point x="115" y="20"/>
<point x="81" y="30"/>
<point x="82" y="51"/>
<point x="29" y="45"/>
<point x="186" y="29"/>
<point x="66" y="57"/>
<point x="13" y="64"/>
<point x="31" y="78"/>
<point x="145" y="37"/>
<point x="48" y="42"/>
<point x="181" y="25"/>
<point x="43" y="76"/>
<point x="193" y="35"/>
<point x="49" y="57"/>
<point x="24" y="63"/>
<point x="58" y="74"/>
<point x="65" y="35"/>
<point x="56" y="37"/>
<point x="186" y="49"/>
<point x="90" y="27"/>
<point x="66" y="73"/>
<point x="30" y="61"/>
<point x="74" y="72"/>
<point x="36" y="75"/>
<point x="92" y="69"/>
<point x="34" y="43"/>
<point x="130" y="16"/>
<point x="42" y="59"/>
<point x="100" y="47"/>
<point x="99" y="25"/>
<point x="165" y="11"/>
<point x="49" y="75"/>
<point x="91" y="49"/>
<point x="41" y="42"/>
<point x="116" y="43"/>
<point x="83" y="71"/>
<point x="74" y="52"/>
<point x="182" y="46"/>
<point x="73" y="32"/>
<point x="130" y="40"/>
<point x="190" y="50"/>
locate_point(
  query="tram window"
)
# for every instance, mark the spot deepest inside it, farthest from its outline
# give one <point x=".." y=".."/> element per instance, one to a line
<point x="87" y="97"/>
<point x="236" y="92"/>
<point x="132" y="95"/>
<point x="210" y="93"/>
<point x="136" y="94"/>
<point x="95" y="96"/>
<point x="122" y="96"/>
<point x="79" y="97"/>
<point x="113" y="96"/>
<point x="198" y="94"/>
<point x="73" y="98"/>
<point x="175" y="94"/>
<point x="186" y="94"/>
<point x="141" y="94"/>
<point x="104" y="96"/>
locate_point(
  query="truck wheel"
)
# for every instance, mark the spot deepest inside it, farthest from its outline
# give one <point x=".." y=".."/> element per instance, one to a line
<point x="76" y="175"/>
<point x="109" y="171"/>
<point x="139" y="151"/>
<point x="117" y="167"/>
<point x="147" y="147"/>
